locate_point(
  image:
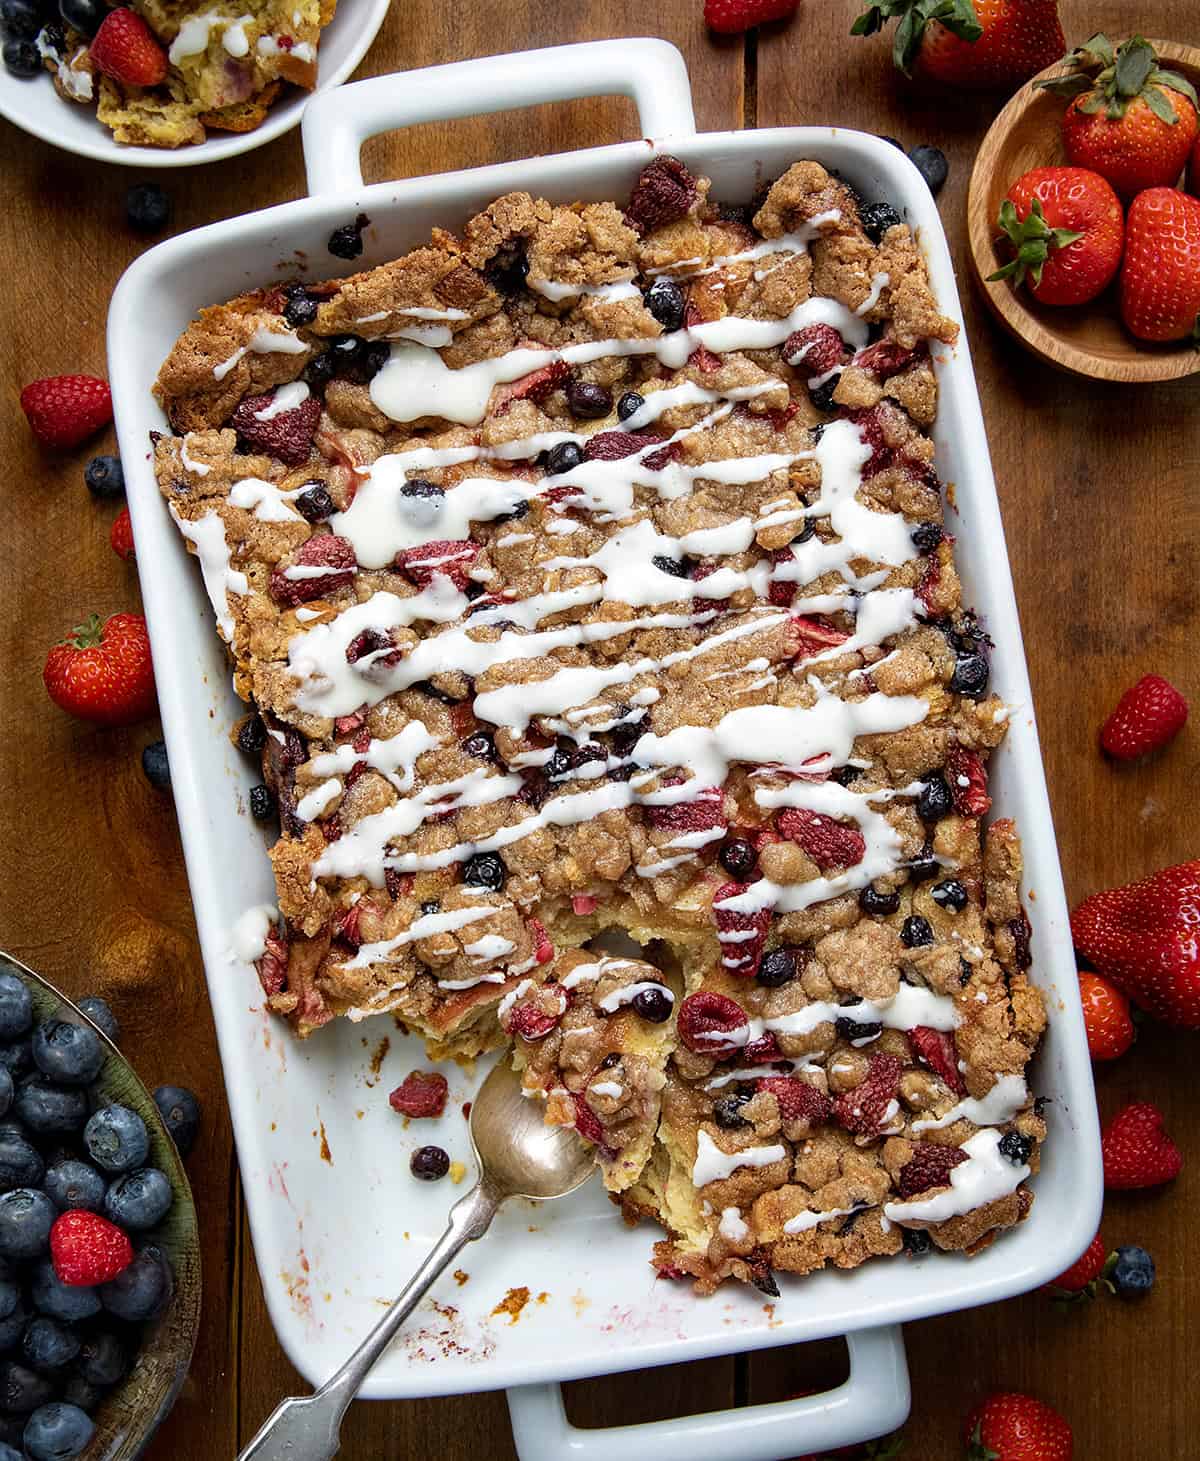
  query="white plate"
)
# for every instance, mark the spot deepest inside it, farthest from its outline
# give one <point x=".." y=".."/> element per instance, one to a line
<point x="333" y="1241"/>
<point x="36" y="107"/>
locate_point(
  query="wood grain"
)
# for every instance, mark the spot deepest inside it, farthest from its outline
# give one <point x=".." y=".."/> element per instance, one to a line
<point x="1099" y="498"/>
<point x="1089" y="340"/>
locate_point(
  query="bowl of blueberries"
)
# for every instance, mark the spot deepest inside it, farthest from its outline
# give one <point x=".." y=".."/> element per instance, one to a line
<point x="99" y="1249"/>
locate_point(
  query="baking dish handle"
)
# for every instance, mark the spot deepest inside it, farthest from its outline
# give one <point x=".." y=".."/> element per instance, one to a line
<point x="337" y="122"/>
<point x="873" y="1400"/>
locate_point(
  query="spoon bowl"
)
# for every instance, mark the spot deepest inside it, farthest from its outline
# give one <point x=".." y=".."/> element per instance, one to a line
<point x="517" y="1152"/>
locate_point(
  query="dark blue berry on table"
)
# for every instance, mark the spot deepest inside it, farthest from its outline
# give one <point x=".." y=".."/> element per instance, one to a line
<point x="262" y="803"/>
<point x="48" y="1345"/>
<point x="26" y="1217"/>
<point x="346" y="242"/>
<point x="48" y="1109"/>
<point x="21" y="1389"/>
<point x="70" y="1054"/>
<point x="155" y="765"/>
<point x="68" y="1302"/>
<point x="139" y="1199"/>
<point x="180" y="1111"/>
<point x="21" y="59"/>
<point x="105" y="477"/>
<point x="20" y="19"/>
<point x="147" y="208"/>
<point x="102" y="1359"/>
<point x="83" y="15"/>
<point x="142" y="1290"/>
<point x="13" y="1326"/>
<point x="58" y="1432"/>
<point x="1130" y="1271"/>
<point x="100" y="1013"/>
<point x="16" y="1007"/>
<point x="931" y="163"/>
<point x="116" y="1139"/>
<point x="20" y="1164"/>
<point x="73" y="1185"/>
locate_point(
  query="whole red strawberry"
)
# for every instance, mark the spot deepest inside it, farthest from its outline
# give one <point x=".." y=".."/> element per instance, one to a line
<point x="1160" y="277"/>
<point x="125" y="49"/>
<point x="1106" y="1016"/>
<point x="1067" y="228"/>
<point x="64" y="410"/>
<point x="1148" y="716"/>
<point x="121" y="536"/>
<point x="87" y="1249"/>
<point x="422" y="1093"/>
<point x="1129" y="120"/>
<point x="1193" y="177"/>
<point x="980" y="45"/>
<point x="102" y="672"/>
<point x="729" y="17"/>
<point x="1079" y="1281"/>
<point x="1145" y="937"/>
<point x="1137" y="1150"/>
<point x="1009" y="1426"/>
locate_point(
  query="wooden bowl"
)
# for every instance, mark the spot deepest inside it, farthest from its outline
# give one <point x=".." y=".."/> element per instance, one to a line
<point x="132" y="1410"/>
<point x="1086" y="339"/>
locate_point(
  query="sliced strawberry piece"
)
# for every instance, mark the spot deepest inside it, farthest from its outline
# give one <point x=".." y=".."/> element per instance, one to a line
<point x="808" y="637"/>
<point x="929" y="1166"/>
<point x="706" y="1019"/>
<point x="699" y="814"/>
<point x="587" y="1123"/>
<point x="323" y="550"/>
<point x="937" y="1050"/>
<point x="543" y="949"/>
<point x="584" y="904"/>
<point x="798" y="1101"/>
<point x="968" y="782"/>
<point x="529" y="1022"/>
<point x="535" y="386"/>
<point x="273" y="965"/>
<point x="287" y="436"/>
<point x="453" y="558"/>
<point x="885" y="358"/>
<point x="742" y="935"/>
<point x="815" y="349"/>
<point x="422" y="1094"/>
<point x="865" y="1109"/>
<point x="828" y="842"/>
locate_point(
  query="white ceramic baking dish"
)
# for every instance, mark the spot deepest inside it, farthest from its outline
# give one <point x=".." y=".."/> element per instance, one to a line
<point x="337" y="1221"/>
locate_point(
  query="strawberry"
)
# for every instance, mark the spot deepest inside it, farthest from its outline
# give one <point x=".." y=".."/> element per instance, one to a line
<point x="529" y="1022"/>
<point x="665" y="189"/>
<point x="587" y="1123"/>
<point x="64" y="410"/>
<point x="121" y="536"/>
<point x="1145" y="937"/>
<point x="705" y="1018"/>
<point x="885" y="358"/>
<point x="102" y="672"/>
<point x="1148" y="717"/>
<point x="828" y="842"/>
<point x="543" y="949"/>
<point x="1137" y="1151"/>
<point x="1079" y="1281"/>
<point x="125" y="49"/>
<point x="535" y="386"/>
<point x="745" y="933"/>
<point x="936" y="1049"/>
<point x="1067" y="227"/>
<point x="421" y="1094"/>
<point x="322" y="550"/>
<point x="87" y="1249"/>
<point x="1128" y="120"/>
<point x="454" y="559"/>
<point x="1193" y="177"/>
<point x="865" y="1108"/>
<point x="815" y="349"/>
<point x="700" y="813"/>
<point x="729" y="17"/>
<point x="968" y="782"/>
<point x="809" y="637"/>
<point x="797" y="1100"/>
<point x="1160" y="278"/>
<point x="979" y="45"/>
<point x="287" y="436"/>
<point x="929" y="1166"/>
<point x="273" y="965"/>
<point x="1106" y="1017"/>
<point x="1009" y="1426"/>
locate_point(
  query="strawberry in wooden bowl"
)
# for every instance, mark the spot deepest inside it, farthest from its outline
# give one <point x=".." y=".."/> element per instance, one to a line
<point x="1066" y="229"/>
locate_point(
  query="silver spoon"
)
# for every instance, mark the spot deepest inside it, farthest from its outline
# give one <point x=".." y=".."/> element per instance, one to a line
<point x="518" y="1156"/>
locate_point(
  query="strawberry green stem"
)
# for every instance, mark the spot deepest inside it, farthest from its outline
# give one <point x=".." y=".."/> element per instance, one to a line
<point x="86" y="635"/>
<point x="958" y="16"/>
<point x="1033" y="239"/>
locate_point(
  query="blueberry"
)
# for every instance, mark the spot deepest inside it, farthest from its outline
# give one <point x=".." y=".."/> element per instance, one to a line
<point x="846" y="775"/>
<point x="1015" y="1147"/>
<point x="21" y="58"/>
<point x="20" y="1164"/>
<point x="20" y="19"/>
<point x="916" y="1241"/>
<point x="822" y="396"/>
<point x="17" y="1057"/>
<point x="57" y="1432"/>
<point x="916" y="932"/>
<point x="26" y="1217"/>
<point x="931" y="163"/>
<point x="16" y="1007"/>
<point x="347" y="351"/>
<point x="777" y="967"/>
<point x="69" y="1302"/>
<point x="428" y="1163"/>
<point x="970" y="675"/>
<point x="508" y="268"/>
<point x="20" y="1389"/>
<point x="431" y="905"/>
<point x="100" y="1013"/>
<point x="300" y="309"/>
<point x="72" y="1184"/>
<point x="934" y="800"/>
<point x="950" y="894"/>
<point x="854" y="1030"/>
<point x="139" y="1199"/>
<point x="147" y="208"/>
<point x="482" y="745"/>
<point x="10" y="1453"/>
<point x="314" y="505"/>
<point x="48" y="1345"/>
<point x="155" y="766"/>
<point x="102" y="1359"/>
<point x="925" y="866"/>
<point x="1132" y="1275"/>
<point x="676" y="567"/>
<point x="69" y="1054"/>
<point x="485" y="870"/>
<point x="252" y="734"/>
<point x="116" y="1139"/>
<point x="180" y="1111"/>
<point x="346" y="242"/>
<point x="319" y="370"/>
<point x="6" y="1089"/>
<point x="629" y="405"/>
<point x="927" y="536"/>
<point x="876" y="904"/>
<point x="83" y="15"/>
<point x="375" y="355"/>
<point x="143" y="1289"/>
<point x="738" y="858"/>
<point x="560" y="764"/>
<point x="262" y="803"/>
<point x="877" y="218"/>
<point x="47" y="1109"/>
<point x="422" y="487"/>
<point x="727" y="1112"/>
<point x="664" y="300"/>
<point x="75" y="1390"/>
<point x="563" y="457"/>
<point x="13" y="1326"/>
<point x="587" y="400"/>
<point x="654" y="1005"/>
<point x="10" y="1297"/>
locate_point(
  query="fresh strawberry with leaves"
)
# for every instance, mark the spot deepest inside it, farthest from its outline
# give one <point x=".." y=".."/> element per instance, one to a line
<point x="981" y="46"/>
<point x="64" y="410"/>
<point x="125" y="49"/>
<point x="1009" y="1426"/>
<point x="1145" y="937"/>
<point x="1137" y="1150"/>
<point x="1148" y="717"/>
<point x="102" y="672"/>
<point x="731" y="17"/>
<point x="1065" y="228"/>
<point x="1106" y="1017"/>
<point x="1129" y="120"/>
<point x="1160" y="277"/>
<point x="1081" y="1280"/>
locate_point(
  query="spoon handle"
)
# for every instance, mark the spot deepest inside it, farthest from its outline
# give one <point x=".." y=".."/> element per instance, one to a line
<point x="305" y="1428"/>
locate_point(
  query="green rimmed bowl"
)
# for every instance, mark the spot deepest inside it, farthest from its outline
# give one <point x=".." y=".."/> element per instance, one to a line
<point x="131" y="1412"/>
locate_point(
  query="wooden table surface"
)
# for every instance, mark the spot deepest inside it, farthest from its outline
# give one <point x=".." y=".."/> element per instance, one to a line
<point x="1099" y="492"/>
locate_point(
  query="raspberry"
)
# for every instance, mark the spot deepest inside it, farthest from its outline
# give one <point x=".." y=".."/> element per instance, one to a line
<point x="700" y="814"/>
<point x="121" y="536"/>
<point x="287" y="436"/>
<point x="63" y="410"/>
<point x="740" y="954"/>
<point x="815" y="349"/>
<point x="962" y="766"/>
<point x="936" y="1049"/>
<point x="663" y="193"/>
<point x="870" y="428"/>
<point x="613" y="446"/>
<point x="704" y="1017"/>
<point x="87" y="1249"/>
<point x="798" y="1101"/>
<point x="864" y="1109"/>
<point x="453" y="558"/>
<point x="325" y="550"/>
<point x="531" y="1023"/>
<point x="422" y="1093"/>
<point x="885" y="358"/>
<point x="763" y="1050"/>
<point x="273" y="966"/>
<point x="807" y="637"/>
<point x="828" y="842"/>
<point x="929" y="1166"/>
